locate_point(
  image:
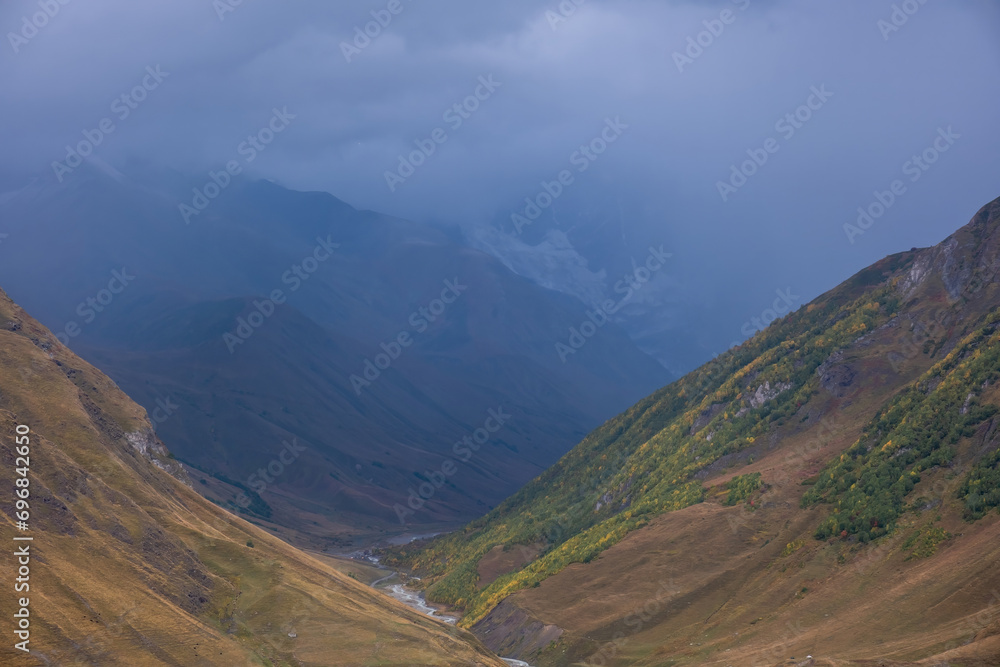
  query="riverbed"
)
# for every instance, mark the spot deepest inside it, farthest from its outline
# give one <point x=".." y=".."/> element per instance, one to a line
<point x="415" y="599"/>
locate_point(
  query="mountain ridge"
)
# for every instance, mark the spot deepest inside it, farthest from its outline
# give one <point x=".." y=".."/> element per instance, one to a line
<point x="911" y="335"/>
<point x="129" y="566"/>
<point x="299" y="370"/>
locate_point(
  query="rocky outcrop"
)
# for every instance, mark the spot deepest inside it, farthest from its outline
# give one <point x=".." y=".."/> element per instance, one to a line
<point x="706" y="416"/>
<point x="835" y="376"/>
<point x="151" y="449"/>
<point x="766" y="392"/>
<point x="510" y="631"/>
<point x="965" y="262"/>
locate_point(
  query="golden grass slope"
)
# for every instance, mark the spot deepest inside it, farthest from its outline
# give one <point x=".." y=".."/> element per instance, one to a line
<point x="131" y="567"/>
<point x="750" y="586"/>
<point x="715" y="585"/>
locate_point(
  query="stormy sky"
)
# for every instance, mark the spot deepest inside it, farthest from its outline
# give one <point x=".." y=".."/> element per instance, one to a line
<point x="694" y="88"/>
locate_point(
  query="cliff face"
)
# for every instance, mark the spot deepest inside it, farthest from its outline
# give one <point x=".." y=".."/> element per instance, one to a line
<point x="965" y="262"/>
<point x="128" y="566"/>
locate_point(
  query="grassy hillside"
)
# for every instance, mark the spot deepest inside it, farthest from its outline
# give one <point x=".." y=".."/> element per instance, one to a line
<point x="646" y="461"/>
<point x="897" y="359"/>
<point x="919" y="429"/>
<point x="131" y="567"/>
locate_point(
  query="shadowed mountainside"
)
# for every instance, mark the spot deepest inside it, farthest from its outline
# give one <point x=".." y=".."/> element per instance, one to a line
<point x="354" y="281"/>
<point x="130" y="567"/>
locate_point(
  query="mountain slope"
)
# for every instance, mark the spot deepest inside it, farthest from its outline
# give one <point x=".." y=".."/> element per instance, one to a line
<point x="129" y="566"/>
<point x="306" y="373"/>
<point x="849" y="448"/>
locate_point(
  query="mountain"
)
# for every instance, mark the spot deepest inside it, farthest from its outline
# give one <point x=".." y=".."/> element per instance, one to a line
<point x="315" y="366"/>
<point x="824" y="494"/>
<point x="127" y="565"/>
<point x="584" y="252"/>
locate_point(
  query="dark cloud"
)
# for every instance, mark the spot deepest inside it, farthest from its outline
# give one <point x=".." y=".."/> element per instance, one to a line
<point x="560" y="81"/>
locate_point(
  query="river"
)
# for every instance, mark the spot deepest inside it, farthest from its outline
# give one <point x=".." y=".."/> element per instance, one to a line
<point x="416" y="600"/>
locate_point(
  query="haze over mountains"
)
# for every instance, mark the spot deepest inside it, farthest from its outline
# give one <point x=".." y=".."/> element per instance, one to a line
<point x="387" y="343"/>
<point x="656" y="185"/>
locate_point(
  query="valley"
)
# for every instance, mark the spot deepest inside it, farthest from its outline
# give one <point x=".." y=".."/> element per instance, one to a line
<point x="131" y="567"/>
<point x="824" y="492"/>
<point x="826" y="489"/>
<point x="544" y="333"/>
<point x="378" y="345"/>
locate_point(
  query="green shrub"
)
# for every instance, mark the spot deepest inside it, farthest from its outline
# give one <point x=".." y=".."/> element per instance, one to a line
<point x="742" y="487"/>
<point x="869" y="483"/>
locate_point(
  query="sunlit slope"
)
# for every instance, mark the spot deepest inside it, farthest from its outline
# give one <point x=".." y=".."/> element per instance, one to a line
<point x="130" y="567"/>
<point x="741" y="579"/>
<point x="899" y="361"/>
